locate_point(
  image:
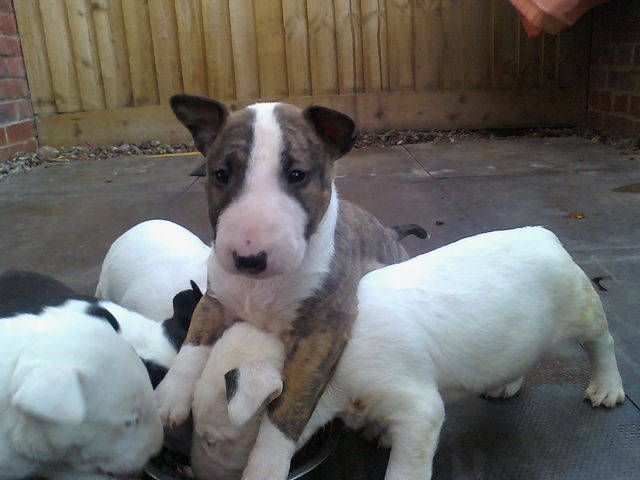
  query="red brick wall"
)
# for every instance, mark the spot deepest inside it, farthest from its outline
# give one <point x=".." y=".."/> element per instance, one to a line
<point x="614" y="80"/>
<point x="17" y="128"/>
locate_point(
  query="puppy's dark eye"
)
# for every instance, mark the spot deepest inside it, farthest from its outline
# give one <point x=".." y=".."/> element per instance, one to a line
<point x="222" y="175"/>
<point x="296" y="176"/>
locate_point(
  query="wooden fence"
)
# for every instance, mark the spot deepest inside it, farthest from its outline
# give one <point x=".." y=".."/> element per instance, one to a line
<point x="102" y="71"/>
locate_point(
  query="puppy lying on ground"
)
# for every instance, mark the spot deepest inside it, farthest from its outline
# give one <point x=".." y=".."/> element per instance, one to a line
<point x="75" y="400"/>
<point x="466" y="319"/>
<point x="149" y="265"/>
<point x="155" y="342"/>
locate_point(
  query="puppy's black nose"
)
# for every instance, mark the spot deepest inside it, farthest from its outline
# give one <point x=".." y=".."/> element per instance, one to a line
<point x="252" y="263"/>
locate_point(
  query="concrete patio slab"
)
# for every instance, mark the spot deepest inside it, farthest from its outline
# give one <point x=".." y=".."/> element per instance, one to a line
<point x="61" y="220"/>
<point x="524" y="156"/>
<point x="611" y="219"/>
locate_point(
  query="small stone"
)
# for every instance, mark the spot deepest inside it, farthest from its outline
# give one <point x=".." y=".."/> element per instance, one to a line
<point x="439" y="222"/>
<point x="155" y="143"/>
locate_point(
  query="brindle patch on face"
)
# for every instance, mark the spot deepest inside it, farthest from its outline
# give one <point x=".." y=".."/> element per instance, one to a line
<point x="302" y="149"/>
<point x="230" y="151"/>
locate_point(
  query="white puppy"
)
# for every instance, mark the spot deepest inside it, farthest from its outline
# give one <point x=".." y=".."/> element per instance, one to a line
<point x="75" y="399"/>
<point x="149" y="264"/>
<point x="466" y="319"/>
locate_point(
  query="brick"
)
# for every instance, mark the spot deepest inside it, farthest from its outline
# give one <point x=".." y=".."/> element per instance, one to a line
<point x="606" y="56"/>
<point x="3" y="136"/>
<point x="13" y="88"/>
<point x="594" y="119"/>
<point x="24" y="109"/>
<point x="634" y="107"/>
<point x="627" y="31"/>
<point x="9" y="45"/>
<point x="594" y="97"/>
<point x="22" y="147"/>
<point x="5" y="6"/>
<point x="621" y="80"/>
<point x="604" y="101"/>
<point x="636" y="56"/>
<point x="600" y="33"/>
<point x="8" y="23"/>
<point x="21" y="131"/>
<point x="15" y="66"/>
<point x="4" y="70"/>
<point x="8" y="113"/>
<point x="624" y="55"/>
<point x="621" y="103"/>
<point x="618" y="124"/>
<point x="598" y="79"/>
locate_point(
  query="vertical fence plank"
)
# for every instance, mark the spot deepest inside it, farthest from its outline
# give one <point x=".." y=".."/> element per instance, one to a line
<point x="217" y="39"/>
<point x="374" y="45"/>
<point x="428" y="44"/>
<point x="271" y="51"/>
<point x="245" y="54"/>
<point x="85" y="54"/>
<point x="477" y="43"/>
<point x="191" y="40"/>
<point x="400" y="43"/>
<point x="349" y="45"/>
<point x="322" y="47"/>
<point x="34" y="51"/>
<point x="297" y="47"/>
<point x="164" y="33"/>
<point x="504" y="57"/>
<point x="529" y="60"/>
<point x="112" y="50"/>
<point x="59" y="51"/>
<point x="453" y="33"/>
<point x="549" y="61"/>
<point x="140" y="46"/>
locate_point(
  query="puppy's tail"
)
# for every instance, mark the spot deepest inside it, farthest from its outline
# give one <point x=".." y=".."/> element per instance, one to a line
<point x="401" y="231"/>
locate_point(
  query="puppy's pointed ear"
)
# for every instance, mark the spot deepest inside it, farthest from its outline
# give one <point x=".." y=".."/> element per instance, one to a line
<point x="196" y="289"/>
<point x="51" y="393"/>
<point x="248" y="388"/>
<point x="336" y="129"/>
<point x="203" y="117"/>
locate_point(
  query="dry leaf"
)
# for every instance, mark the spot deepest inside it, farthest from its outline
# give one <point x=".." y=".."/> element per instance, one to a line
<point x="576" y="215"/>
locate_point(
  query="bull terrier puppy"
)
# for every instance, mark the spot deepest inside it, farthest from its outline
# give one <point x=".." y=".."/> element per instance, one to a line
<point x="287" y="255"/>
<point x="75" y="399"/>
<point x="156" y="343"/>
<point x="466" y="319"/>
<point x="149" y="264"/>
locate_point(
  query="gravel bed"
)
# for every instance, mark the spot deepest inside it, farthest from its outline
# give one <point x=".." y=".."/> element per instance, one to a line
<point x="48" y="155"/>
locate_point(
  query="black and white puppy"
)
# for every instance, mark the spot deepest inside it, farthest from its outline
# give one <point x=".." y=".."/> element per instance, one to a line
<point x="156" y="343"/>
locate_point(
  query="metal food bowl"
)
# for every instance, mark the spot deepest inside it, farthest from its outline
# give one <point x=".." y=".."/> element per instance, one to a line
<point x="316" y="451"/>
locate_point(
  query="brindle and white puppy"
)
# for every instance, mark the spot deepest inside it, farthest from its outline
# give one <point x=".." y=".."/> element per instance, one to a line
<point x="287" y="256"/>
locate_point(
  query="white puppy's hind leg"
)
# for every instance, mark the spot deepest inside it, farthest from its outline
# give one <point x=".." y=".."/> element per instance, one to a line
<point x="414" y="433"/>
<point x="605" y="387"/>
<point x="506" y="391"/>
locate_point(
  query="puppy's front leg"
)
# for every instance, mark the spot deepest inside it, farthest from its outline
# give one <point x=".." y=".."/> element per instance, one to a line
<point x="174" y="394"/>
<point x="308" y="368"/>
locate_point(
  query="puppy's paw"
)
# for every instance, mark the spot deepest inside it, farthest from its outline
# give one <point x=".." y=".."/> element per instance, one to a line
<point x="606" y="392"/>
<point x="173" y="399"/>
<point x="506" y="391"/>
